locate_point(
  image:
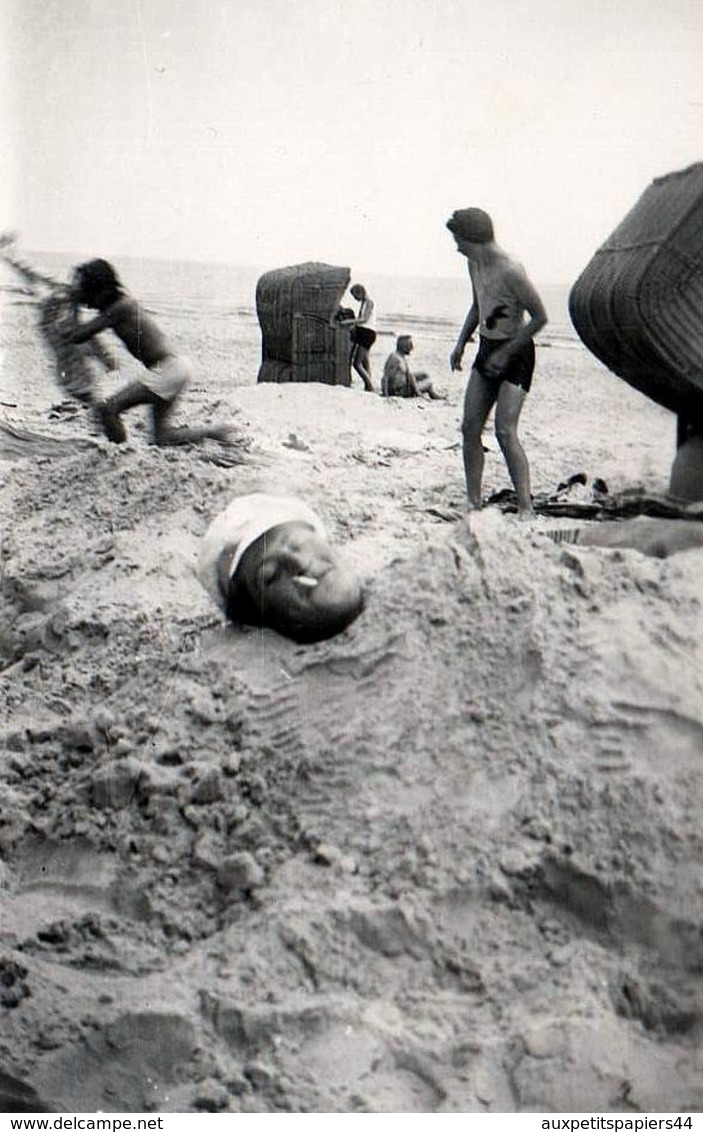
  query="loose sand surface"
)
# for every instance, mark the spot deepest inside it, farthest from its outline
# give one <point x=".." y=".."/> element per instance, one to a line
<point x="448" y="861"/>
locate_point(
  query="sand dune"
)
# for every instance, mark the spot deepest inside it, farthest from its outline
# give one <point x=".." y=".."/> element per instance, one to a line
<point x="447" y="861"/>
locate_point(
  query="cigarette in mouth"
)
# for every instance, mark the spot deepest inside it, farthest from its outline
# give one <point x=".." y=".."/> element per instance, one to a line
<point x="307" y="582"/>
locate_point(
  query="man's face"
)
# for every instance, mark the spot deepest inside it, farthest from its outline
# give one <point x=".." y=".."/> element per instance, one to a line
<point x="296" y="577"/>
<point x="406" y="347"/>
<point x="75" y="286"/>
<point x="465" y="247"/>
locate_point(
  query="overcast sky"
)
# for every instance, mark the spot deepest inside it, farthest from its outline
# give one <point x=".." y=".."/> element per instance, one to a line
<point x="270" y="132"/>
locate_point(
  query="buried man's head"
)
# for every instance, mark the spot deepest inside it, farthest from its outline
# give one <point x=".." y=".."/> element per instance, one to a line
<point x="266" y="560"/>
<point x="293" y="581"/>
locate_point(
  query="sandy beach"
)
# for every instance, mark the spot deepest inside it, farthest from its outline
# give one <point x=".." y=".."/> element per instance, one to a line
<point x="449" y="861"/>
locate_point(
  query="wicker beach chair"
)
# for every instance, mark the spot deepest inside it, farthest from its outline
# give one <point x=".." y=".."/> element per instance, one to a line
<point x="295" y="306"/>
<point x="638" y="304"/>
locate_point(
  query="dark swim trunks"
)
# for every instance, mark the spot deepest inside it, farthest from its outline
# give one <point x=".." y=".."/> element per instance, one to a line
<point x="363" y="336"/>
<point x="519" y="369"/>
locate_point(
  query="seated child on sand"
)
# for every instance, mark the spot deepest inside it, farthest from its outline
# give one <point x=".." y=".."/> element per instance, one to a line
<point x="266" y="561"/>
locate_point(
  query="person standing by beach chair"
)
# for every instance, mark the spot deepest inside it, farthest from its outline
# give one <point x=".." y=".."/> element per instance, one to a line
<point x="362" y="333"/>
<point x="97" y="285"/>
<point x="502" y="370"/>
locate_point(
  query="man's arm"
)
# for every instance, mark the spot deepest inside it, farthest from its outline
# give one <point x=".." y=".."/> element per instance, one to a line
<point x="389" y="371"/>
<point x="102" y="354"/>
<point x="527" y="295"/>
<point x="465" y="335"/>
<point x="85" y="330"/>
<point x="532" y="303"/>
<point x="412" y="382"/>
<point x="359" y="319"/>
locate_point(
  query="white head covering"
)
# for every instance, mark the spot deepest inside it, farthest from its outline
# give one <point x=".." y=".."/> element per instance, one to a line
<point x="241" y="524"/>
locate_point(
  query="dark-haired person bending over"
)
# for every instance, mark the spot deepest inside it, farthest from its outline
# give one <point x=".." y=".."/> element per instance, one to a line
<point x="96" y="285"/>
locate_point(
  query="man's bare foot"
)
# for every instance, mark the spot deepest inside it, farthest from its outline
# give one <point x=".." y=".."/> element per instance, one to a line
<point x="225" y="433"/>
<point x="110" y="424"/>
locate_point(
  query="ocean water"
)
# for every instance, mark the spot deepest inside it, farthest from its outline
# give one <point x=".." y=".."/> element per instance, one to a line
<point x="183" y="289"/>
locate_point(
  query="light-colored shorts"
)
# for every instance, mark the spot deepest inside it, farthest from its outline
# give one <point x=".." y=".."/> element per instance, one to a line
<point x="168" y="378"/>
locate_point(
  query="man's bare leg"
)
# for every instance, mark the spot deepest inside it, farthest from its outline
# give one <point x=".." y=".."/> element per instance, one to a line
<point x="479" y="399"/>
<point x="424" y="385"/>
<point x="108" y="412"/>
<point x="361" y="363"/>
<point x="658" y="538"/>
<point x="165" y="435"/>
<point x="511" y="398"/>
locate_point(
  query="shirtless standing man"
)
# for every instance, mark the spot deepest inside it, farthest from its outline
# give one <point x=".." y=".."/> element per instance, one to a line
<point x="501" y="373"/>
<point x="166" y="374"/>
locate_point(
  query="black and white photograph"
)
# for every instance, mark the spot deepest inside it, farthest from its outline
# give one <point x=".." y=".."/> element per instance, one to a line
<point x="351" y="558"/>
